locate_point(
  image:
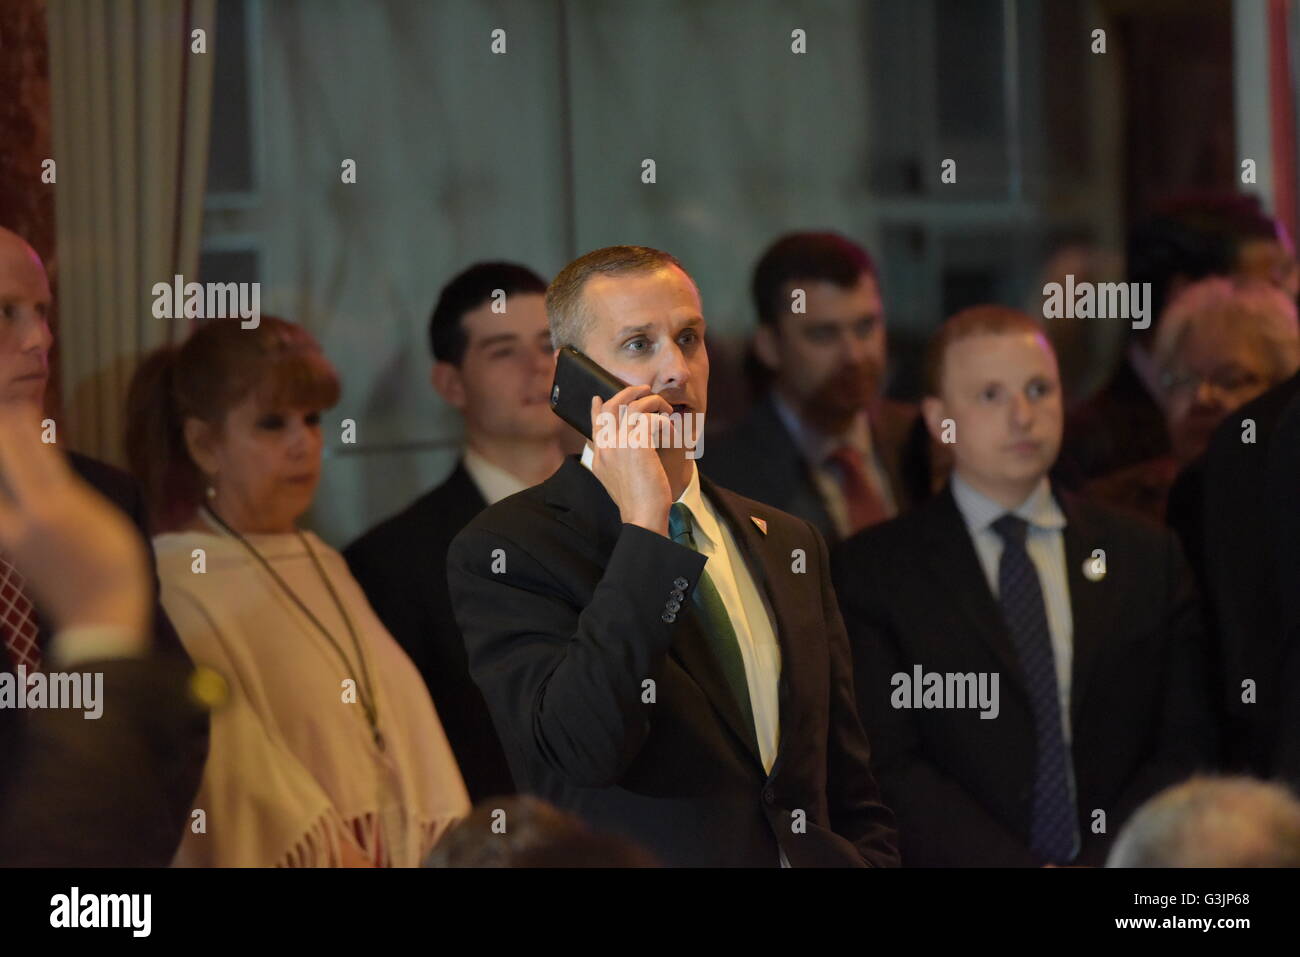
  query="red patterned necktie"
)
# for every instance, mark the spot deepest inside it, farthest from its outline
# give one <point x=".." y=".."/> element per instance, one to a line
<point x="17" y="619"/>
<point x="865" y="506"/>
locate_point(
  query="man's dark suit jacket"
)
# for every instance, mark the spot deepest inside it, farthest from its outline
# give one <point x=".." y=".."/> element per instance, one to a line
<point x="1236" y="510"/>
<point x="401" y="564"/>
<point x="913" y="592"/>
<point x="1284" y="479"/>
<point x="1119" y="426"/>
<point x="565" y="613"/>
<point x="118" y="790"/>
<point x="760" y="459"/>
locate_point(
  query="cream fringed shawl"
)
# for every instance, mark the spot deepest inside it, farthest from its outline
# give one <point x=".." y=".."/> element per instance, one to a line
<point x="293" y="769"/>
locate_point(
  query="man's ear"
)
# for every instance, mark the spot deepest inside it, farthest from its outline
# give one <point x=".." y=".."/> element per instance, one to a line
<point x="934" y="411"/>
<point x="200" y="442"/>
<point x="767" y="345"/>
<point x="448" y="383"/>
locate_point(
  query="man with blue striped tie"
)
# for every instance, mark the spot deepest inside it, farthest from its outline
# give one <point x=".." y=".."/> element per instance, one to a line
<point x="1082" y="623"/>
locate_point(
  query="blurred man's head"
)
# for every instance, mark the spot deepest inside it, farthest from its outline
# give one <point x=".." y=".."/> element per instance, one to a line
<point x="525" y="831"/>
<point x="1220" y="344"/>
<point x="1213" y="822"/>
<point x="993" y="396"/>
<point x="636" y="312"/>
<point x="821" y="328"/>
<point x="25" y="338"/>
<point x="1195" y="236"/>
<point x="492" y="351"/>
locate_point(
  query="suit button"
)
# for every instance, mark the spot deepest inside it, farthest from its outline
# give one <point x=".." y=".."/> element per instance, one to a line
<point x="676" y="594"/>
<point x="769" y="795"/>
<point x="680" y="582"/>
<point x="673" y="606"/>
<point x="668" y="616"/>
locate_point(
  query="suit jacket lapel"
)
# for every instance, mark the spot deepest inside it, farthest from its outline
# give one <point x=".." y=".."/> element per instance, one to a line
<point x="1092" y="602"/>
<point x="461" y="490"/>
<point x="690" y="649"/>
<point x="787" y="471"/>
<point x="767" y="566"/>
<point x="960" y="577"/>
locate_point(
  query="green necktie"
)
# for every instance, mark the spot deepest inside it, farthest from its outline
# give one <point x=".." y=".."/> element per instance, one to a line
<point x="718" y="629"/>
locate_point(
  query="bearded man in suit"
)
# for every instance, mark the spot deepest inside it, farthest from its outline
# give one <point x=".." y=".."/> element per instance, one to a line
<point x="823" y="442"/>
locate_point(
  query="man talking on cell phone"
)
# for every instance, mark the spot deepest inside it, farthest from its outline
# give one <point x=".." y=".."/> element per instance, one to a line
<point x="662" y="656"/>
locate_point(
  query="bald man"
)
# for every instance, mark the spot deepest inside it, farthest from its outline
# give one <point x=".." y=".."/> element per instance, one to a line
<point x="115" y="790"/>
<point x="1213" y="822"/>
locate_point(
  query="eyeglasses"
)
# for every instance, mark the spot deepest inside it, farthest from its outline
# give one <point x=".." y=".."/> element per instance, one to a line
<point x="1228" y="381"/>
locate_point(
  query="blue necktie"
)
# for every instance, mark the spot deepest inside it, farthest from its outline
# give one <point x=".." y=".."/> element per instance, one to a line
<point x="1053" y="822"/>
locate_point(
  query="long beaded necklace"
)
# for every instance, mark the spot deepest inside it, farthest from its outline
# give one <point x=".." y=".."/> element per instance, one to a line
<point x="367" y="692"/>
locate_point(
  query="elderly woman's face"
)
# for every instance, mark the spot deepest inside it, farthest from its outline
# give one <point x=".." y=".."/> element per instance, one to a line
<point x="267" y="466"/>
<point x="1215" y="371"/>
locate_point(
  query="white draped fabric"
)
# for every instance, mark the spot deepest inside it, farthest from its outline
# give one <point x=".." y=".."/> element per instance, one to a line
<point x="535" y="155"/>
<point x="130" y="105"/>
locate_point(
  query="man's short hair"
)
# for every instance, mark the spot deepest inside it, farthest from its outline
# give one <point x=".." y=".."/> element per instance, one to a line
<point x="973" y="321"/>
<point x="566" y="313"/>
<point x="537" y="834"/>
<point x="1213" y="822"/>
<point x="1192" y="236"/>
<point x="465" y="293"/>
<point x="803" y="257"/>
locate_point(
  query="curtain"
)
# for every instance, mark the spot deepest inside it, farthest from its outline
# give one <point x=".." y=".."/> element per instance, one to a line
<point x="130" y="106"/>
<point x="458" y="152"/>
<point x="533" y="155"/>
<point x="1281" y="85"/>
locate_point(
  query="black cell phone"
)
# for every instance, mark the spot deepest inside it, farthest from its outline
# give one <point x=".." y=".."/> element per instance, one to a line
<point x="577" y="379"/>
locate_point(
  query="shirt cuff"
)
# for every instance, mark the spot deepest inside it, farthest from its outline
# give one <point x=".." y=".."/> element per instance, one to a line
<point x="81" y="643"/>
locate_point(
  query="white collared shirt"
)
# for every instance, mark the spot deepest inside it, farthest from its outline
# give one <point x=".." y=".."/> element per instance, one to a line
<point x="828" y="476"/>
<point x="1045" y="543"/>
<point x="494" y="483"/>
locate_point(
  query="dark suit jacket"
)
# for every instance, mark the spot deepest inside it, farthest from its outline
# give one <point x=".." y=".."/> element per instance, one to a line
<point x="760" y="459"/>
<point x="1236" y="510"/>
<point x="1283" y="480"/>
<point x="401" y="564"/>
<point x="116" y="791"/>
<point x="913" y="592"/>
<point x="1120" y="426"/>
<point x="565" y="615"/>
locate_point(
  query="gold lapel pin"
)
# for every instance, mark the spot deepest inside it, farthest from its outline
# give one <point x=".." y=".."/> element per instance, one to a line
<point x="760" y="522"/>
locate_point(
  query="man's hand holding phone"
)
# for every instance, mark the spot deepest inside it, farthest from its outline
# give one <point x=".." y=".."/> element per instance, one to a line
<point x="634" y="477"/>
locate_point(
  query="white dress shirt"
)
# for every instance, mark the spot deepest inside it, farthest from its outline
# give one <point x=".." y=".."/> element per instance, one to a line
<point x="494" y="483"/>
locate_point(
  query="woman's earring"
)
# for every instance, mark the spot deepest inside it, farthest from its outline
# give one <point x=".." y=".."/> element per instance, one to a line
<point x="211" y="492"/>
